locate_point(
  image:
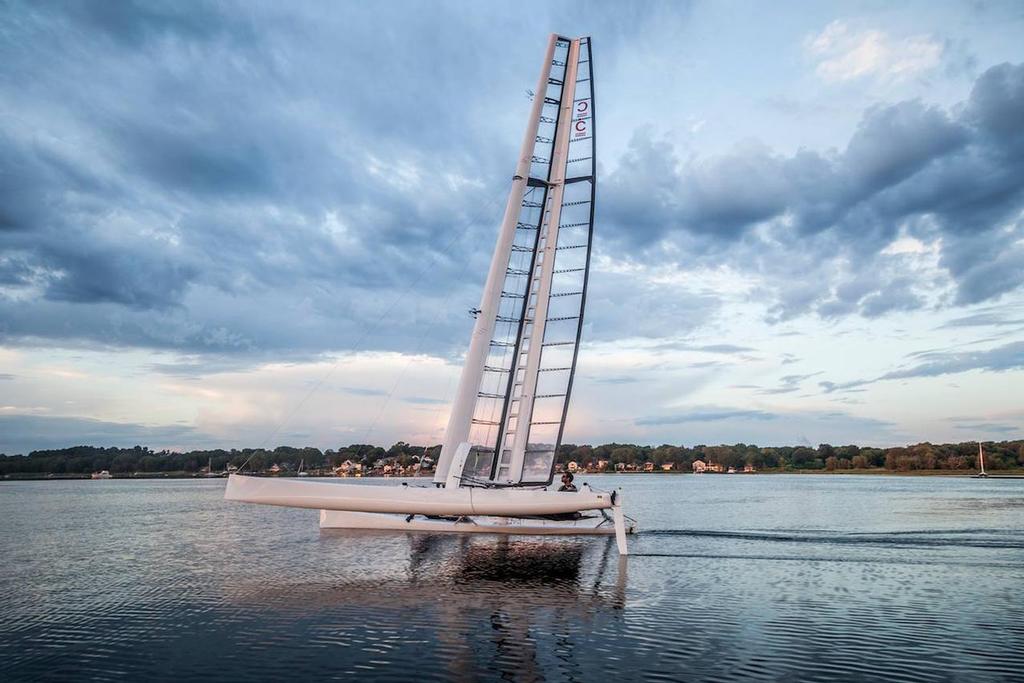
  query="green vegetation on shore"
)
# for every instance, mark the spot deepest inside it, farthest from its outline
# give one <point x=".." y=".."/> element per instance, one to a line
<point x="921" y="458"/>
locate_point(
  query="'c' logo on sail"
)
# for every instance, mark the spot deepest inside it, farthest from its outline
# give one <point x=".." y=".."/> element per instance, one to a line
<point x="582" y="113"/>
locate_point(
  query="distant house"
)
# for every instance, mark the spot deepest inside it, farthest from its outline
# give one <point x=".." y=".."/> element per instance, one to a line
<point x="348" y="468"/>
<point x="573" y="466"/>
<point x="715" y="467"/>
<point x="275" y="468"/>
<point x="666" y="467"/>
<point x="749" y="469"/>
<point x="648" y="467"/>
<point x="602" y="465"/>
<point x="699" y="467"/>
<point x="620" y="467"/>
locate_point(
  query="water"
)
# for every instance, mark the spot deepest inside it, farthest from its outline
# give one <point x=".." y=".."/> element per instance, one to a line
<point x="732" y="577"/>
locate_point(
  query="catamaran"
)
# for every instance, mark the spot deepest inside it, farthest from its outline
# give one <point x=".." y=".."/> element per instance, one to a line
<point x="497" y="462"/>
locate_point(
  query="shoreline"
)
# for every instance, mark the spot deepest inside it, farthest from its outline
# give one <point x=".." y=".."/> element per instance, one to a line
<point x="993" y="474"/>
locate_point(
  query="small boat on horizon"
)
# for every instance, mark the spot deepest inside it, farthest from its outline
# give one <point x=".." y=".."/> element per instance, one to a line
<point x="104" y="474"/>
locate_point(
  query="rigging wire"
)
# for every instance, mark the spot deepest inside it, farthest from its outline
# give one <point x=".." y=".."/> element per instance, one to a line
<point x="422" y="338"/>
<point x="485" y="207"/>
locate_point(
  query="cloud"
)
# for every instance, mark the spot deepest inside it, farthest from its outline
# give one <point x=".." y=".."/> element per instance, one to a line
<point x="988" y="427"/>
<point x="983" y="319"/>
<point x="25" y="433"/>
<point x="616" y="380"/>
<point x="715" y="424"/>
<point x="826" y="232"/>
<point x="362" y="391"/>
<point x="423" y="400"/>
<point x="937" y="363"/>
<point x="190" y="182"/>
<point x="842" y="54"/>
<point x="789" y="384"/>
<point x="706" y="414"/>
<point x="1000" y="359"/>
<point x="723" y="349"/>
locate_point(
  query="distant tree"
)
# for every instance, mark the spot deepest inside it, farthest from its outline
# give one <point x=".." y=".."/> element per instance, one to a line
<point x="805" y="458"/>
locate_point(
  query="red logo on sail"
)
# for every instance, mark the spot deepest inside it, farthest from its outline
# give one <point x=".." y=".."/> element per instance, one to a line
<point x="582" y="116"/>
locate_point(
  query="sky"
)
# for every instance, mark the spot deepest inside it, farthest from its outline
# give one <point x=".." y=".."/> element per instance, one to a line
<point x="247" y="224"/>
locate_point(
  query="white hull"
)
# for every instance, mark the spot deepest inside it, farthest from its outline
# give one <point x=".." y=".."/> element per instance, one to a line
<point x="412" y="500"/>
<point x="336" y="519"/>
<point x="506" y="511"/>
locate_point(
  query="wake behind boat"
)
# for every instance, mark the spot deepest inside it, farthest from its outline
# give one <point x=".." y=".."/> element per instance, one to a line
<point x="497" y="461"/>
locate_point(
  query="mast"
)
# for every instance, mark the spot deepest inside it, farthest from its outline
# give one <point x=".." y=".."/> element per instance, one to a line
<point x="514" y="390"/>
<point x="981" y="459"/>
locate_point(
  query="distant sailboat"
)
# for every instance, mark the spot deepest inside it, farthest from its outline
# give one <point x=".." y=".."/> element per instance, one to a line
<point x="302" y="472"/>
<point x="209" y="473"/>
<point x="982" y="474"/>
<point x="497" y="461"/>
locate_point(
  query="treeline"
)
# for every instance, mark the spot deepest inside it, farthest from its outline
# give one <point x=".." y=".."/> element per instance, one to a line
<point x="88" y="459"/>
<point x="924" y="456"/>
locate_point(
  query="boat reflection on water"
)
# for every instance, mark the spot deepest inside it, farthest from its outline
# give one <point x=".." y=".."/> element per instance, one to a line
<point x="475" y="603"/>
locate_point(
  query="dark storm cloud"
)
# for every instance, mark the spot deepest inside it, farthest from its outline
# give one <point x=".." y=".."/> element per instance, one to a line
<point x="183" y="177"/>
<point x="956" y="174"/>
<point x="224" y="178"/>
<point x="241" y="180"/>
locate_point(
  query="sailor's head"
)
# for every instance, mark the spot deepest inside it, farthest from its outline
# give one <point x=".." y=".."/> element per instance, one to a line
<point x="567" y="478"/>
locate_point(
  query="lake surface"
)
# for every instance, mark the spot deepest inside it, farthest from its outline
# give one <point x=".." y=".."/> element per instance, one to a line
<point x="732" y="578"/>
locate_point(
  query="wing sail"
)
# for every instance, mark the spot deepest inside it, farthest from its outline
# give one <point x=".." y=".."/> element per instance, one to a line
<point x="515" y="386"/>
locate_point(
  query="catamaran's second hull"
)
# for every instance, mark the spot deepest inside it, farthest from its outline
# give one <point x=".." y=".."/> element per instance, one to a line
<point x="599" y="526"/>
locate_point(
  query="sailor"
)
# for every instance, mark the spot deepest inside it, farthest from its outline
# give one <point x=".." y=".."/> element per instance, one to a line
<point x="567" y="484"/>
